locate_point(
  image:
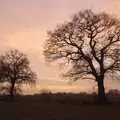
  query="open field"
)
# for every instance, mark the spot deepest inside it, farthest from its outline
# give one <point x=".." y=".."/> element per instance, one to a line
<point x="56" y="107"/>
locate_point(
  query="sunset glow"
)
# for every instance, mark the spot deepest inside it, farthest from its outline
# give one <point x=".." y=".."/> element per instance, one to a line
<point x="24" y="25"/>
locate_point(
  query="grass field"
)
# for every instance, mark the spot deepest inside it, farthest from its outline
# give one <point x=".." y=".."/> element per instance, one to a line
<point x="56" y="107"/>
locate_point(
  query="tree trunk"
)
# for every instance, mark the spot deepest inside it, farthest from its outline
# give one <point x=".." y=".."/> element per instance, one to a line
<point x="101" y="92"/>
<point x="12" y="90"/>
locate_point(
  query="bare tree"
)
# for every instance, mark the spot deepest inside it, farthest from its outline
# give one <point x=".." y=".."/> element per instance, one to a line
<point x="15" y="69"/>
<point x="90" y="44"/>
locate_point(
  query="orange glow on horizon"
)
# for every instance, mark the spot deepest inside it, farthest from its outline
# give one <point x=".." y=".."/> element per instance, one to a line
<point x="24" y="25"/>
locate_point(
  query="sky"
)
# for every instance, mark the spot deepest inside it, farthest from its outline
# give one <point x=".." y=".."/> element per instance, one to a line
<point x="24" y="25"/>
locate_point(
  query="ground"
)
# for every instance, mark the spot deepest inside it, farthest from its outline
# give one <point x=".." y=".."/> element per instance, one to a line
<point x="43" y="108"/>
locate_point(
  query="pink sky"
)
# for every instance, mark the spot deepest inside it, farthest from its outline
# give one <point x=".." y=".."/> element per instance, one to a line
<point x="24" y="24"/>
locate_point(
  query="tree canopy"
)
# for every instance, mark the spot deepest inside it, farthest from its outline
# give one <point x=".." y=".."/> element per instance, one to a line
<point x="89" y="43"/>
<point x="15" y="69"/>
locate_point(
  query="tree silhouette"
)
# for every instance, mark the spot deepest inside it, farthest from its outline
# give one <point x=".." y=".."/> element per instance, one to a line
<point x="89" y="43"/>
<point x="15" y="69"/>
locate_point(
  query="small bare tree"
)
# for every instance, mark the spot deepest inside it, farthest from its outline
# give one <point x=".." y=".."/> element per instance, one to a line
<point x="90" y="44"/>
<point x="15" y="69"/>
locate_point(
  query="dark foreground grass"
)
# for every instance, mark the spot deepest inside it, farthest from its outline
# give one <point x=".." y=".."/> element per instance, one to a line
<point x="56" y="107"/>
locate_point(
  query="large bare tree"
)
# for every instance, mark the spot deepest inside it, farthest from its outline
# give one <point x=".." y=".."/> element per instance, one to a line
<point x="90" y="44"/>
<point x="15" y="69"/>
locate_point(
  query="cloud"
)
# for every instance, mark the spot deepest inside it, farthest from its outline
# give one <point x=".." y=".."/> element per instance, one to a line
<point x="24" y="24"/>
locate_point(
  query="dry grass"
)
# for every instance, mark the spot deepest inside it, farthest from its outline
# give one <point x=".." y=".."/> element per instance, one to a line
<point x="57" y="107"/>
